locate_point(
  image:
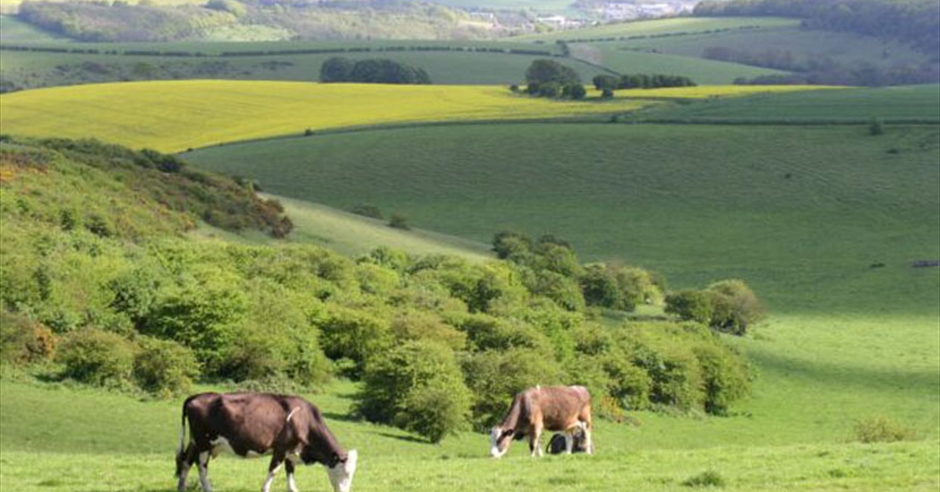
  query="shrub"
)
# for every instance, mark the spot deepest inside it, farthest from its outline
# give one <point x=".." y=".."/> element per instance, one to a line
<point x="417" y="386"/>
<point x="876" y="126"/>
<point x="24" y="341"/>
<point x="398" y="221"/>
<point x="690" y="305"/>
<point x="354" y="335"/>
<point x="709" y="478"/>
<point x="165" y="368"/>
<point x="725" y="375"/>
<point x="881" y="429"/>
<point x="366" y="210"/>
<point x="98" y="357"/>
<point x="734" y="306"/>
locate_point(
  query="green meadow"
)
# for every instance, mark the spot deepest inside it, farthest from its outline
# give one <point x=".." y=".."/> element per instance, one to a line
<point x="679" y="26"/>
<point x="858" y="105"/>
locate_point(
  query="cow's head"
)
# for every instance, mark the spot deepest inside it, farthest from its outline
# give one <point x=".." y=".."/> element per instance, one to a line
<point x="341" y="473"/>
<point x="500" y="440"/>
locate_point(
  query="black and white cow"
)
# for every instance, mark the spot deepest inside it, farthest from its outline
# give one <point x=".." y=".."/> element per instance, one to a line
<point x="253" y="424"/>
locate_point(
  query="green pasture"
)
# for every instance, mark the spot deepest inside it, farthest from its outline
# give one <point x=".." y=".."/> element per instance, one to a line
<point x="909" y="103"/>
<point x="703" y="72"/>
<point x="802" y="43"/>
<point x="800" y="212"/>
<point x="12" y="30"/>
<point x="678" y="26"/>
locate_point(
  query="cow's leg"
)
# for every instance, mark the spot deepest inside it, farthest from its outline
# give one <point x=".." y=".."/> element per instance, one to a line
<point x="204" y="471"/>
<point x="569" y="441"/>
<point x="276" y="463"/>
<point x="184" y="462"/>
<point x="535" y="441"/>
<point x="289" y="468"/>
<point x="588" y="443"/>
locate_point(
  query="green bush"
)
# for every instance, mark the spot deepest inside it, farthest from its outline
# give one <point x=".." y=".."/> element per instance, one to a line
<point x="726" y="377"/>
<point x="98" y="357"/>
<point x="735" y="307"/>
<point x="417" y="386"/>
<point x="690" y="305"/>
<point x="353" y="335"/>
<point x="709" y="478"/>
<point x="165" y="368"/>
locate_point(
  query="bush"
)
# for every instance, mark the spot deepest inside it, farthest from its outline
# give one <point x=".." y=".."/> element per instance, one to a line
<point x="709" y="478"/>
<point x="726" y="377"/>
<point x="98" y="357"/>
<point x="690" y="305"/>
<point x="353" y="335"/>
<point x="417" y="386"/>
<point x="165" y="368"/>
<point x="881" y="429"/>
<point x="24" y="341"/>
<point x="735" y="307"/>
<point x="398" y="221"/>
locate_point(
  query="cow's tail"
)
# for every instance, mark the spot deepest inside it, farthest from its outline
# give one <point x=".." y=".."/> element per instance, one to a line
<point x="181" y="451"/>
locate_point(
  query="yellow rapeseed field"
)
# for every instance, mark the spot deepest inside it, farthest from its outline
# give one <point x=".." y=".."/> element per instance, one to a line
<point x="172" y="116"/>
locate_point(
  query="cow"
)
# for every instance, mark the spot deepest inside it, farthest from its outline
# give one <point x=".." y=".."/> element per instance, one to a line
<point x="555" y="408"/>
<point x="253" y="424"/>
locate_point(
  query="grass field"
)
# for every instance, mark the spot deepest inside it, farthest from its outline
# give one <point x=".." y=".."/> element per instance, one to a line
<point x="660" y="27"/>
<point x="802" y="43"/>
<point x="705" y="72"/>
<point x="910" y="103"/>
<point x="174" y="116"/>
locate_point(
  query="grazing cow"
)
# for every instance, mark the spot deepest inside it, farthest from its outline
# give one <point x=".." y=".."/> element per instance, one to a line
<point x="556" y="408"/>
<point x="253" y="424"/>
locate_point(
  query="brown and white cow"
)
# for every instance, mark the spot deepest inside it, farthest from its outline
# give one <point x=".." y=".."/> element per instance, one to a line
<point x="254" y="424"/>
<point x="555" y="408"/>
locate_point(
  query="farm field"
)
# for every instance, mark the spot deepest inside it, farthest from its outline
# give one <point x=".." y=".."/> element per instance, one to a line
<point x="704" y="72"/>
<point x="661" y="27"/>
<point x="172" y="116"/>
<point x="801" y="43"/>
<point x="890" y="104"/>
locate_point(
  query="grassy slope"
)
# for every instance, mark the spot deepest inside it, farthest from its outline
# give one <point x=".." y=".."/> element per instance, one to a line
<point x="911" y="103"/>
<point x="660" y="27"/>
<point x="845" y="47"/>
<point x="699" y="70"/>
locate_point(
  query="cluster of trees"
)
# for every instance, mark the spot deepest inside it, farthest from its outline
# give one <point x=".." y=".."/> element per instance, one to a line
<point x="373" y="71"/>
<point x="729" y="306"/>
<point x="607" y="84"/>
<point x="549" y="78"/>
<point x="916" y="22"/>
<point x="439" y="343"/>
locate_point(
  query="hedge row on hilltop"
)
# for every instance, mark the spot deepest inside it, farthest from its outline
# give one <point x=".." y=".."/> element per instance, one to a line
<point x="438" y="343"/>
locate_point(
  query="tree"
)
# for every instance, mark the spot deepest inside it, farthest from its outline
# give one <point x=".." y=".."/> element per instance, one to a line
<point x="336" y="69"/>
<point x="544" y="71"/>
<point x="602" y="82"/>
<point x="575" y="91"/>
